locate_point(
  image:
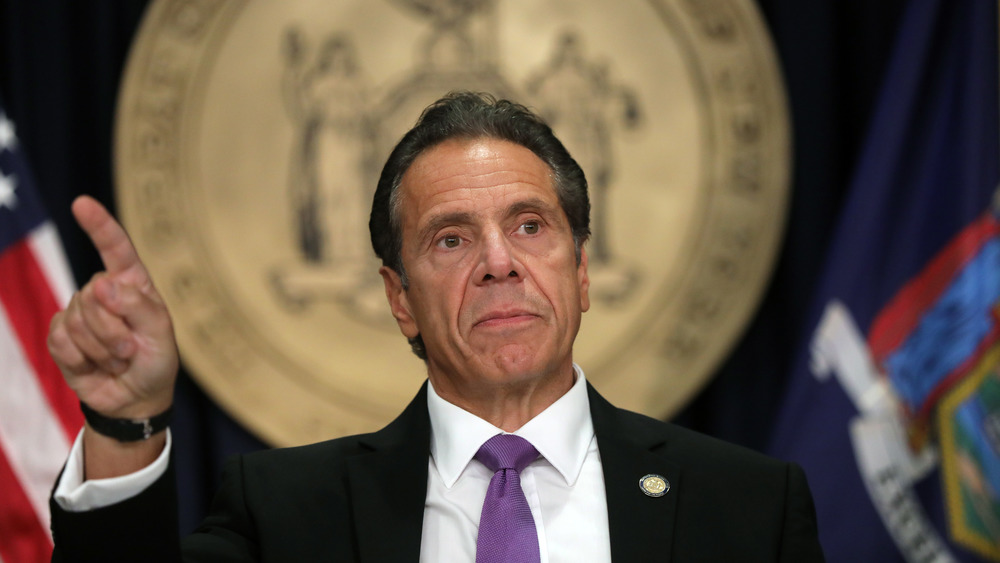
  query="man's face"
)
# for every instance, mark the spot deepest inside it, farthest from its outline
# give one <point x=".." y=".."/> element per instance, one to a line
<point x="494" y="286"/>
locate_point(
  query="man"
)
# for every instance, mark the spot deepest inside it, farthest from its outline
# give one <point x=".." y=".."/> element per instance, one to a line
<point x="480" y="219"/>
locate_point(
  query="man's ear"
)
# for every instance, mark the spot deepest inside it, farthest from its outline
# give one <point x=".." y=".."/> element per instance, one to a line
<point x="399" y="304"/>
<point x="584" y="279"/>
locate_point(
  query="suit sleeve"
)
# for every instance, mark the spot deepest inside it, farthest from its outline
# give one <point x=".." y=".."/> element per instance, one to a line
<point x="226" y="534"/>
<point x="144" y="527"/>
<point x="800" y="537"/>
<point x="141" y="528"/>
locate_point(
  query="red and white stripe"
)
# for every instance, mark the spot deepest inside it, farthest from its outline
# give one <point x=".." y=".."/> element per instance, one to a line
<point x="39" y="415"/>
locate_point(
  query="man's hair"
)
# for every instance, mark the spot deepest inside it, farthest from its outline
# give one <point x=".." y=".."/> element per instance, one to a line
<point x="471" y="116"/>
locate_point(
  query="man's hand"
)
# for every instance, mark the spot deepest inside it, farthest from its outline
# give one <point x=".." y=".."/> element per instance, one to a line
<point x="114" y="343"/>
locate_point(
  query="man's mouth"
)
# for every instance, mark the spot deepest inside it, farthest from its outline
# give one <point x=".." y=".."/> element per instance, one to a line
<point x="505" y="318"/>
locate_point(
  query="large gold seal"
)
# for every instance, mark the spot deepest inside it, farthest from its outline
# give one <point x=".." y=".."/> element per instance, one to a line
<point x="250" y="136"/>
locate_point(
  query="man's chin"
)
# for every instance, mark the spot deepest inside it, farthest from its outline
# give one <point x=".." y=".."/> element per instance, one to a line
<point x="516" y="364"/>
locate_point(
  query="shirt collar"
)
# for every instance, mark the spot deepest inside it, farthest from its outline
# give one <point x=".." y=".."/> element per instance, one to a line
<point x="562" y="433"/>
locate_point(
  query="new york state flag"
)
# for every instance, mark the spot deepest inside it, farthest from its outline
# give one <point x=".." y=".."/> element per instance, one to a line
<point x="894" y="405"/>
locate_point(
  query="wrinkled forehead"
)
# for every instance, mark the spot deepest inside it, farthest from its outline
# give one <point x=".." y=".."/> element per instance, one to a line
<point x="482" y="169"/>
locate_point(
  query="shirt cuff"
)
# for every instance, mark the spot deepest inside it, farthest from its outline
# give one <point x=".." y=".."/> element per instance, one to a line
<point x="73" y="494"/>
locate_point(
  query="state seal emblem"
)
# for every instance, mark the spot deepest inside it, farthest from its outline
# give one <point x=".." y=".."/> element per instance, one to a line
<point x="250" y="136"/>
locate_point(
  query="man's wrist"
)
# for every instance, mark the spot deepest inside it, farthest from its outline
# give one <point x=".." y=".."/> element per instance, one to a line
<point x="126" y="429"/>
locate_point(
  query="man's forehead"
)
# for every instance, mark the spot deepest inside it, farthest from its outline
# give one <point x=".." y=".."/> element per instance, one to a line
<point x="486" y="169"/>
<point x="484" y="151"/>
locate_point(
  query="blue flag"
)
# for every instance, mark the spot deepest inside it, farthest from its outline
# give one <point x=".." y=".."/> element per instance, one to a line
<point x="894" y="405"/>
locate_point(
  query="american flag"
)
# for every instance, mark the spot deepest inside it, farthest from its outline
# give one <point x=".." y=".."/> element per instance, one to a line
<point x="39" y="415"/>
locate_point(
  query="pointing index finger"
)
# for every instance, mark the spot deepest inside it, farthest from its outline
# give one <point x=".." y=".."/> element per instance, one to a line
<point x="110" y="239"/>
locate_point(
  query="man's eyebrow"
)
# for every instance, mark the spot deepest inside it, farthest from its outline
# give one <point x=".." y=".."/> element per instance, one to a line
<point x="532" y="204"/>
<point x="438" y="222"/>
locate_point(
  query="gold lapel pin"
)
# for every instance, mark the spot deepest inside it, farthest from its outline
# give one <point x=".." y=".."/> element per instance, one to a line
<point x="654" y="485"/>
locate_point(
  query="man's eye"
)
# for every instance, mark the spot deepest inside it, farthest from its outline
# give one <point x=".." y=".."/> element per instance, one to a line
<point x="531" y="227"/>
<point x="450" y="241"/>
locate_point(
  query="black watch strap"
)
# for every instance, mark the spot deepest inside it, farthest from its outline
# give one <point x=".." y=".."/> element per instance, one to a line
<point x="126" y="429"/>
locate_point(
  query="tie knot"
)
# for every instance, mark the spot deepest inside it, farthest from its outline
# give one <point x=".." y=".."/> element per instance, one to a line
<point x="506" y="451"/>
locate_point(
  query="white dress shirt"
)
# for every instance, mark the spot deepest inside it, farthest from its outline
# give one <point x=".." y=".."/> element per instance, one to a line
<point x="76" y="495"/>
<point x="564" y="486"/>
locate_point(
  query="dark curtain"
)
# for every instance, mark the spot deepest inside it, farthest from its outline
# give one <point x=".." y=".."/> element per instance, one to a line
<point x="833" y="53"/>
<point x="60" y="65"/>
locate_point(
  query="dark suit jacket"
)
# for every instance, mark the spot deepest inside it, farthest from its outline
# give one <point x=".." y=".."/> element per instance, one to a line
<point x="361" y="498"/>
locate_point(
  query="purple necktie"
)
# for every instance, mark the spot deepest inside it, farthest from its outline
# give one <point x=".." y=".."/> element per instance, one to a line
<point x="506" y="528"/>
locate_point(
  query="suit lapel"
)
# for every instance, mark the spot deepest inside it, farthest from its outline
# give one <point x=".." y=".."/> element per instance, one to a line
<point x="388" y="486"/>
<point x="641" y="526"/>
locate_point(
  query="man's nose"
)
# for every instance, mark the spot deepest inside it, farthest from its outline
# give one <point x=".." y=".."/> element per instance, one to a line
<point x="498" y="261"/>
